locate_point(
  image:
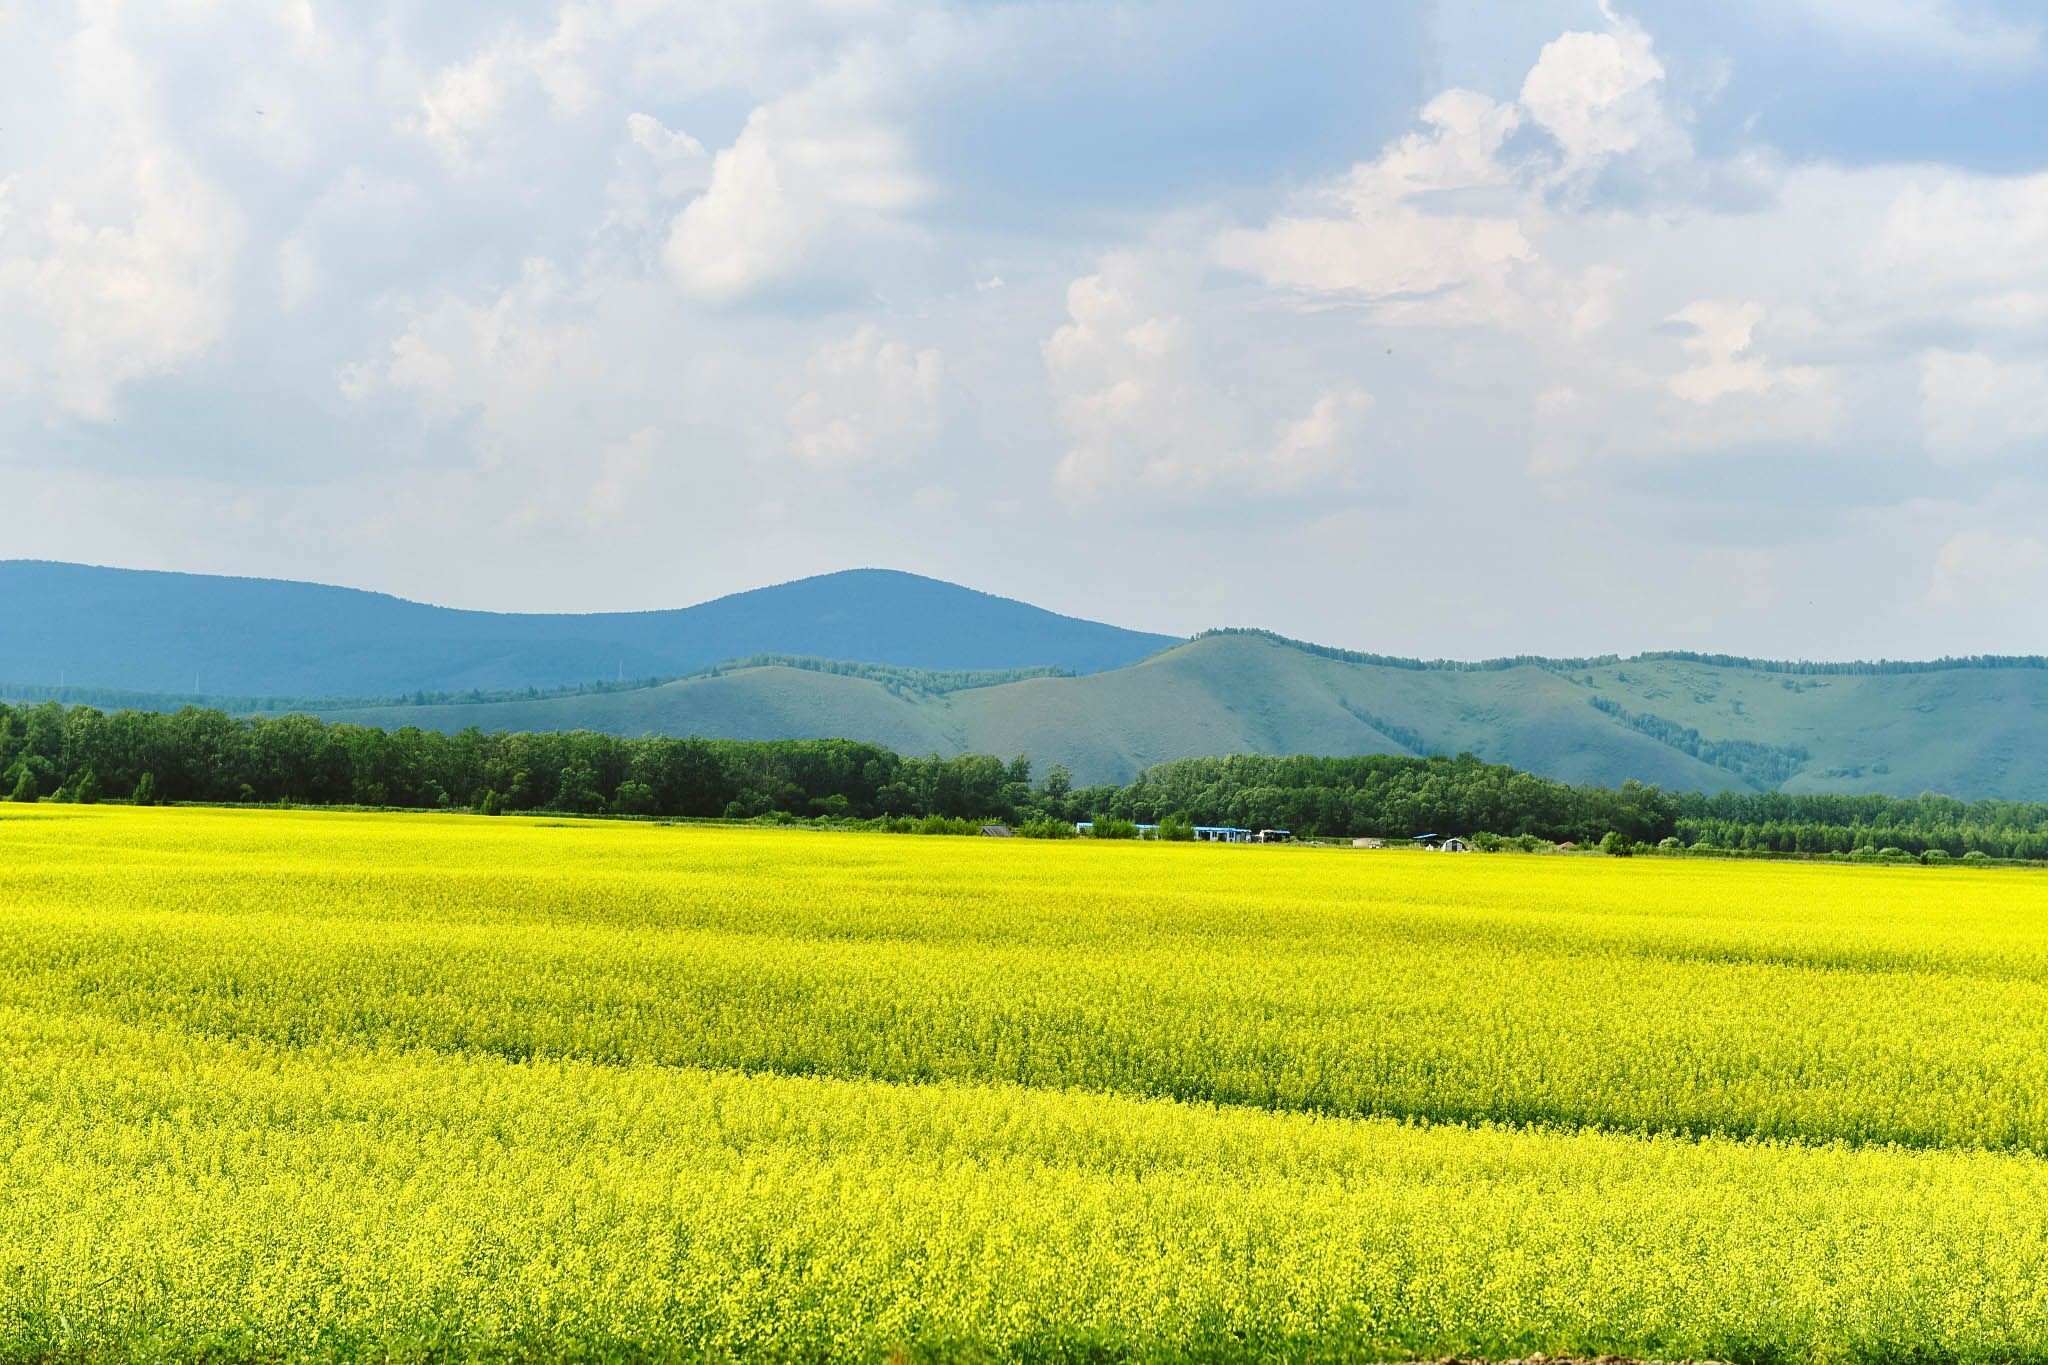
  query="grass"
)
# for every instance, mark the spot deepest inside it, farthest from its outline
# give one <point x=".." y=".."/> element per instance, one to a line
<point x="1971" y="731"/>
<point x="305" y="1085"/>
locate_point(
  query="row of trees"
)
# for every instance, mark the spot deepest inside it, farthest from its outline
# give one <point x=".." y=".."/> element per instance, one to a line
<point x="1386" y="794"/>
<point x="80" y="753"/>
<point x="1798" y="667"/>
<point x="199" y="755"/>
<point x="1782" y="822"/>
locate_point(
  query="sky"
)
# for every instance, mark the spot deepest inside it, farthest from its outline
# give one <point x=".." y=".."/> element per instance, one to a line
<point x="1433" y="329"/>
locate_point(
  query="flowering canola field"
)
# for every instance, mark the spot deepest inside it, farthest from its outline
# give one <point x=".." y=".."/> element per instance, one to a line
<point x="316" y="1085"/>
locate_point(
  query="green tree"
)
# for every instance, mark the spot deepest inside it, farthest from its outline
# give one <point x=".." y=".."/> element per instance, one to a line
<point x="24" y="784"/>
<point x="86" y="790"/>
<point x="634" y="798"/>
<point x="145" y="790"/>
<point x="578" y="791"/>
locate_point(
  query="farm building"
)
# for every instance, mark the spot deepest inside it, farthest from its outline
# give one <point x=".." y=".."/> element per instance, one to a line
<point x="1207" y="834"/>
<point x="1368" y="843"/>
<point x="1442" y="843"/>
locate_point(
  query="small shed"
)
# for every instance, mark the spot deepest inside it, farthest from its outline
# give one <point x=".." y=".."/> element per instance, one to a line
<point x="1454" y="845"/>
<point x="996" y="831"/>
<point x="1368" y="843"/>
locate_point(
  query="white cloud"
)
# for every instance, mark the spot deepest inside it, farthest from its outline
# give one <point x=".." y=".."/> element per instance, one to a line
<point x="1725" y="363"/>
<point x="467" y="101"/>
<point x="813" y="181"/>
<point x="865" y="400"/>
<point x="464" y="100"/>
<point x="1975" y="407"/>
<point x="452" y="293"/>
<point x="1966" y="248"/>
<point x="1312" y="446"/>
<point x="1601" y="96"/>
<point x="658" y="168"/>
<point x="116" y="253"/>
<point x="498" y="360"/>
<point x="1144" y="416"/>
<point x="1389" y="243"/>
<point x="1441" y="228"/>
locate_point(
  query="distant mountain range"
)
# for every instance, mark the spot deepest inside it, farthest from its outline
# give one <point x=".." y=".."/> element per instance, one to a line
<point x="254" y="637"/>
<point x="924" y="667"/>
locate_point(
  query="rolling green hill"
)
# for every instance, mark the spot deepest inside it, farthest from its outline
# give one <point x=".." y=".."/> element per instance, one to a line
<point x="1969" y="729"/>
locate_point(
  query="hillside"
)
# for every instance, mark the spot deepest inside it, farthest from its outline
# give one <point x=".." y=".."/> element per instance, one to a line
<point x="178" y="633"/>
<point x="1106" y="702"/>
<point x="1975" y="731"/>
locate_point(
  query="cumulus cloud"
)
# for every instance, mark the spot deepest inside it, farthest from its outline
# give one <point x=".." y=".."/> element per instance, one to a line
<point x="865" y="400"/>
<point x="1720" y="337"/>
<point x="657" y="168"/>
<point x="1436" y="227"/>
<point x="1389" y="241"/>
<point x="1144" y="415"/>
<point x="1972" y="248"/>
<point x="1312" y="446"/>
<point x="412" y="285"/>
<point x="466" y="101"/>
<point x="494" y="358"/>
<point x="813" y="181"/>
<point x="116" y="252"/>
<point x="1601" y="96"/>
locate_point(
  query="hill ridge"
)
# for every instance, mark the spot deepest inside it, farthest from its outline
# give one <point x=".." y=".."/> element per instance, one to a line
<point x="857" y="655"/>
<point x="164" y="631"/>
<point x="1814" y="667"/>
<point x="1676" y="723"/>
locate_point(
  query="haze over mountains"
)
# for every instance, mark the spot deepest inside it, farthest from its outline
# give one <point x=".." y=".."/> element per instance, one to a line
<point x="1966" y="728"/>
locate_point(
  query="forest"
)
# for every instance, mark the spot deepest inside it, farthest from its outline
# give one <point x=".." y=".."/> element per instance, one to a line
<point x="1828" y="823"/>
<point x="79" y="753"/>
<point x="50" y="751"/>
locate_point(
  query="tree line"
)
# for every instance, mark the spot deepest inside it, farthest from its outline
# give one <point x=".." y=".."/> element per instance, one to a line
<point x="194" y="754"/>
<point x="1784" y="822"/>
<point x="80" y="753"/>
<point x="51" y="751"/>
<point x="1800" y="667"/>
<point x="1388" y="795"/>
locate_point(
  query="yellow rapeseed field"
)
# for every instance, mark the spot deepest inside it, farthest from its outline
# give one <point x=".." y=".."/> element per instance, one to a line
<point x="305" y="1085"/>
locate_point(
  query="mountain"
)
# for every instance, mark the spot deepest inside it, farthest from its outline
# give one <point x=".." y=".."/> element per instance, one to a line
<point x="947" y="670"/>
<point x="1967" y="728"/>
<point x="172" y="632"/>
